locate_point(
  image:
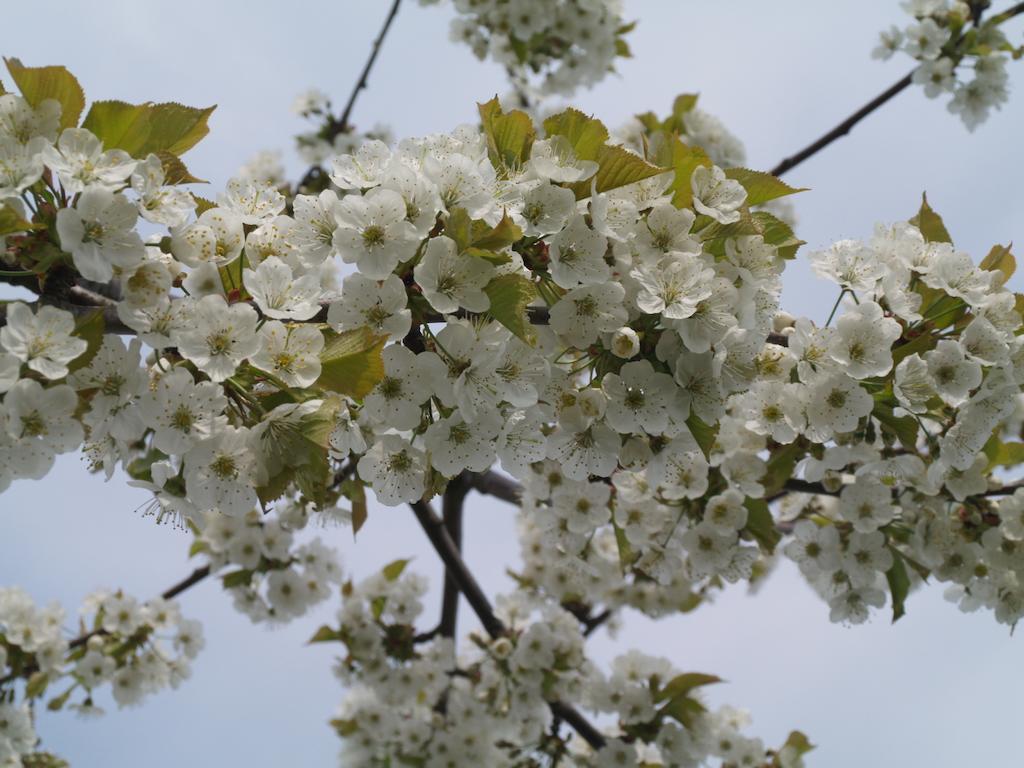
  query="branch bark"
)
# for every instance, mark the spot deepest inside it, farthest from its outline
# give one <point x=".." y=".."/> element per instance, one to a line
<point x="435" y="529"/>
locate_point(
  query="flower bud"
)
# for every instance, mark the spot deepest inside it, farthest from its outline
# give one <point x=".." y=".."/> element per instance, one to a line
<point x="625" y="343"/>
<point x="502" y="648"/>
<point x="592" y="402"/>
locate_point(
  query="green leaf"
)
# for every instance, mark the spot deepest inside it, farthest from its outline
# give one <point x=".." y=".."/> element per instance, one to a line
<point x="501" y="235"/>
<point x="325" y="635"/>
<point x="57" y="702"/>
<point x="89" y="327"/>
<point x="509" y="135"/>
<point x="586" y="135"/>
<point x="680" y="685"/>
<point x="797" y="745"/>
<point x="12" y="222"/>
<point x="761" y="525"/>
<point x="1002" y="454"/>
<point x="490" y="257"/>
<point x="778" y="233"/>
<point x="923" y="342"/>
<point x="175" y="171"/>
<point x="198" y="547"/>
<point x="510" y="295"/>
<point x="626" y="554"/>
<point x="351" y="362"/>
<point x="616" y="167"/>
<point x="356" y="494"/>
<point x="904" y="428"/>
<point x="139" y="129"/>
<point x="344" y="727"/>
<point x="703" y="433"/>
<point x="36" y="685"/>
<point x="394" y="569"/>
<point x="1000" y="258"/>
<point x="780" y="466"/>
<point x="202" y="204"/>
<point x="239" y="578"/>
<point x="683" y="103"/>
<point x="761" y="187"/>
<point x="39" y="83"/>
<point x="930" y="223"/>
<point x="899" y="584"/>
<point x="685" y="159"/>
<point x="685" y="710"/>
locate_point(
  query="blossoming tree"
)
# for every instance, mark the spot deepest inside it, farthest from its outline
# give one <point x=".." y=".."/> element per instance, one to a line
<point x="583" y="324"/>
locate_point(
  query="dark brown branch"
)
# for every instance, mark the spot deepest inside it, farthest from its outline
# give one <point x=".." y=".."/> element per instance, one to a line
<point x="499" y="486"/>
<point x="844" y="127"/>
<point x="435" y="529"/>
<point x="342" y="124"/>
<point x="847" y="125"/>
<point x="451" y="510"/>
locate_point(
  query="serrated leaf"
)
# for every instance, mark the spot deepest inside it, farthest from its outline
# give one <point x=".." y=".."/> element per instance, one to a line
<point x="616" y="167"/>
<point x="899" y="584"/>
<point x="351" y="362"/>
<point x="778" y="233"/>
<point x="685" y="159"/>
<point x="680" y="685"/>
<point x="509" y="135"/>
<point x="89" y="327"/>
<point x="202" y="204"/>
<point x="501" y="235"/>
<point x="930" y="223"/>
<point x="140" y="129"/>
<point x="325" y="635"/>
<point x="1000" y="258"/>
<point x="510" y="295"/>
<point x="761" y="525"/>
<point x="761" y="187"/>
<point x="175" y="171"/>
<point x="394" y="569"/>
<point x="586" y="135"/>
<point x="40" y="83"/>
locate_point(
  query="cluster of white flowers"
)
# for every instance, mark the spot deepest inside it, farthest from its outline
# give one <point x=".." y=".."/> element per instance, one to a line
<point x="946" y="39"/>
<point x="274" y="578"/>
<point x="138" y="648"/>
<point x="325" y="140"/>
<point x="412" y="699"/>
<point x="599" y="317"/>
<point x="570" y="43"/>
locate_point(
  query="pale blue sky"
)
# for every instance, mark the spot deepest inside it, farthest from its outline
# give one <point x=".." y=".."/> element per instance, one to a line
<point x="937" y="689"/>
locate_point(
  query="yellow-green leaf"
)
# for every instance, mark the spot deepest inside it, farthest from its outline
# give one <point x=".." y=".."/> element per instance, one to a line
<point x="510" y="135"/>
<point x="325" y="635"/>
<point x="89" y="327"/>
<point x="680" y="685"/>
<point x="761" y="187"/>
<point x="394" y="569"/>
<point x="899" y="584"/>
<point x="761" y="525"/>
<point x="139" y="129"/>
<point x="586" y="135"/>
<point x="1000" y="258"/>
<point x="616" y="167"/>
<point x="11" y="221"/>
<point x="510" y="295"/>
<point x="175" y="171"/>
<point x="685" y="159"/>
<point x="202" y="204"/>
<point x="778" y="233"/>
<point x="930" y="223"/>
<point x="351" y="362"/>
<point x="501" y="235"/>
<point x="40" y="83"/>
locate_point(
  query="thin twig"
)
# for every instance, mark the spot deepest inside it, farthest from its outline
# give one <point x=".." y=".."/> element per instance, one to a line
<point x="451" y="510"/>
<point x="434" y="527"/>
<point x="844" y="127"/>
<point x="342" y="125"/>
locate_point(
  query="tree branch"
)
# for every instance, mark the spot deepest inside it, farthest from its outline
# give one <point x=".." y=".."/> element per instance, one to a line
<point x="435" y="529"/>
<point x="451" y="510"/>
<point x="341" y="125"/>
<point x="493" y="484"/>
<point x="844" y="127"/>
